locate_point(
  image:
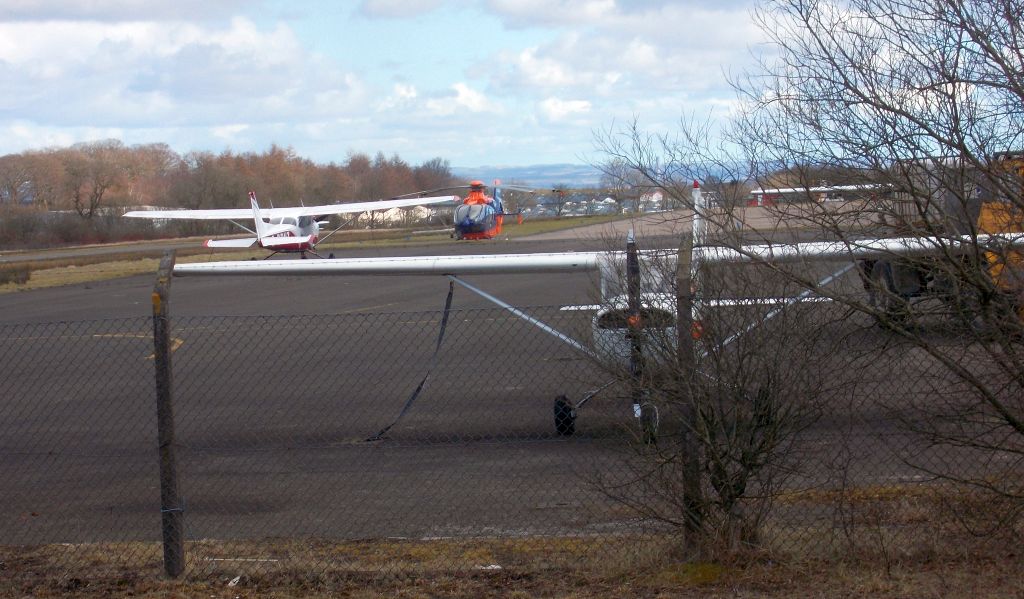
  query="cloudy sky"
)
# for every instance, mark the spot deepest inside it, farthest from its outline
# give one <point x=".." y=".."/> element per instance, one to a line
<point x="478" y="82"/>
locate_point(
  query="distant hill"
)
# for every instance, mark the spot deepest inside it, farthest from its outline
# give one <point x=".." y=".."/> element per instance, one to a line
<point x="538" y="175"/>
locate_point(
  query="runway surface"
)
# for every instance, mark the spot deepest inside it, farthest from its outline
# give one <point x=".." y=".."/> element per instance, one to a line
<point x="280" y="382"/>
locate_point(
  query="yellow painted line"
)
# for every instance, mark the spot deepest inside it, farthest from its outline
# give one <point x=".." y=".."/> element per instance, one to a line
<point x="123" y="335"/>
<point x="369" y="308"/>
<point x="175" y="342"/>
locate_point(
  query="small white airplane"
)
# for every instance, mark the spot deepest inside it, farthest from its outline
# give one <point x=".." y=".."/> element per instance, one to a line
<point x="283" y="229"/>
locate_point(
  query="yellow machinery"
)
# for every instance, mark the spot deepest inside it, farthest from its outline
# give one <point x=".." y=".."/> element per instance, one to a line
<point x="1004" y="215"/>
<point x="947" y="198"/>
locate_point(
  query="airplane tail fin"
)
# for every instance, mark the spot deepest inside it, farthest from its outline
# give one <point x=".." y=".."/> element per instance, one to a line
<point x="699" y="210"/>
<point x="261" y="227"/>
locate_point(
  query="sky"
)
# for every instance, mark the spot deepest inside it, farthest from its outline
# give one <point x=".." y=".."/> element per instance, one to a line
<point x="476" y="82"/>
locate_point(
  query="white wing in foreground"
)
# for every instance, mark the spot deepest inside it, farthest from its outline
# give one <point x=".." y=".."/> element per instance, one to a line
<point x="414" y="265"/>
<point x="859" y="248"/>
<point x="246" y="213"/>
<point x="583" y="261"/>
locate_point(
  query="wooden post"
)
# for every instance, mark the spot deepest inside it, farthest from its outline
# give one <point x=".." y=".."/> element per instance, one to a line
<point x="635" y="325"/>
<point x="693" y="499"/>
<point x="171" y="510"/>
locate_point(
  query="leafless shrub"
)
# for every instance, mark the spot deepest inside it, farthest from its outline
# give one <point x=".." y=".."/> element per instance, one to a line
<point x="720" y="430"/>
<point x="18" y="275"/>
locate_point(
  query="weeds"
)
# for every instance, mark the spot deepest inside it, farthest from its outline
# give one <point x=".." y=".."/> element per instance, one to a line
<point x="18" y="274"/>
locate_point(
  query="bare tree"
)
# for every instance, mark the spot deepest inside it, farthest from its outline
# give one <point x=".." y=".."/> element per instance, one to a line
<point x="925" y="101"/>
<point x="149" y="170"/>
<point x="729" y="392"/>
<point x="433" y="174"/>
<point x="91" y="171"/>
<point x="15" y="179"/>
<point x="625" y="184"/>
<point x="559" y="198"/>
<point x="47" y="172"/>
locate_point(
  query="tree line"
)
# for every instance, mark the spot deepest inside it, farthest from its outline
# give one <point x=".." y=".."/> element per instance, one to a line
<point x="84" y="186"/>
<point x="88" y="176"/>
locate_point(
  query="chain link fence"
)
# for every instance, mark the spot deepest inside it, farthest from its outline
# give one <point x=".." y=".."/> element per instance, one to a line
<point x="374" y="443"/>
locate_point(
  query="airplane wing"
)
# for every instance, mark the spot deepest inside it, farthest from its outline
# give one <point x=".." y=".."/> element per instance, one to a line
<point x="583" y="261"/>
<point x="221" y="214"/>
<point x="325" y="210"/>
<point x="858" y="248"/>
<point x="352" y="207"/>
<point x="413" y="265"/>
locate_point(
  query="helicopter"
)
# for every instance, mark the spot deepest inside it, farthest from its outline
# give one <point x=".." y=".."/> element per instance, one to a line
<point x="481" y="216"/>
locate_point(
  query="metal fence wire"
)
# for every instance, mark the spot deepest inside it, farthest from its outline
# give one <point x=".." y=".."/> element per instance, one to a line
<point x="319" y="443"/>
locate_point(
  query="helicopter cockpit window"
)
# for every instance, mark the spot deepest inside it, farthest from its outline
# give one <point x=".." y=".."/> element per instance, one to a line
<point x="474" y="212"/>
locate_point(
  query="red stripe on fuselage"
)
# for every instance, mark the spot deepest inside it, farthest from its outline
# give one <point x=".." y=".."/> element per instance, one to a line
<point x="293" y="247"/>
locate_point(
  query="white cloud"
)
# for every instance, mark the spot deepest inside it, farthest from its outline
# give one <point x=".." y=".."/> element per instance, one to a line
<point x="118" y="10"/>
<point x="405" y="92"/>
<point x="544" y="72"/>
<point x="473" y="100"/>
<point x="15" y="136"/>
<point x="198" y="75"/>
<point x="464" y="99"/>
<point x="402" y="95"/>
<point x="664" y="49"/>
<point x="544" y="13"/>
<point x="397" y="9"/>
<point x="228" y="132"/>
<point x="79" y="74"/>
<point x="555" y="109"/>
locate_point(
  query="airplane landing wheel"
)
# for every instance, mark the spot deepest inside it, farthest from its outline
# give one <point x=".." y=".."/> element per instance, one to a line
<point x="649" y="421"/>
<point x="565" y="416"/>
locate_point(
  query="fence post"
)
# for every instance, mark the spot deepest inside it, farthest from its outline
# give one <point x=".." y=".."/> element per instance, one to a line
<point x="693" y="499"/>
<point x="171" y="512"/>
<point x="635" y="336"/>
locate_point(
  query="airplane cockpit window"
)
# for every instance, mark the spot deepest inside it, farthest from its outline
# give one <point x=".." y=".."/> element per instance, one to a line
<point x="288" y="221"/>
<point x="305" y="221"/>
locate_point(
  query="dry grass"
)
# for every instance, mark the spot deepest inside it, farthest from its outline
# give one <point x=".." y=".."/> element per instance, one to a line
<point x="905" y="543"/>
<point x="564" y="567"/>
<point x="883" y="541"/>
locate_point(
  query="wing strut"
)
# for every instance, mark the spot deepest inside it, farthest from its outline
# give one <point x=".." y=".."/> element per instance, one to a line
<point x="805" y="296"/>
<point x="241" y="226"/>
<point x="540" y="325"/>
<point x="324" y="238"/>
<point x="433" y="362"/>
